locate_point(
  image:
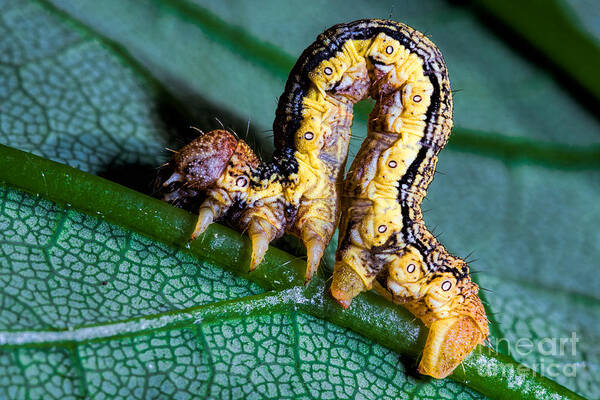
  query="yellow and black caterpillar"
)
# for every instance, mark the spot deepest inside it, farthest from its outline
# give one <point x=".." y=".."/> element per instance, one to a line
<point x="383" y="239"/>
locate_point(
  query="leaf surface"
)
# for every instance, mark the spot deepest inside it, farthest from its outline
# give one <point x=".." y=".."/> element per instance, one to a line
<point x="104" y="87"/>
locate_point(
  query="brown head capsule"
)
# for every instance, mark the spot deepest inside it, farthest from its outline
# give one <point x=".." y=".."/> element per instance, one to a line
<point x="201" y="162"/>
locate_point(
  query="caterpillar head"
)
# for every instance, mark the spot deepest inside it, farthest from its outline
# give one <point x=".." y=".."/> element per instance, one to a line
<point x="202" y="161"/>
<point x="202" y="164"/>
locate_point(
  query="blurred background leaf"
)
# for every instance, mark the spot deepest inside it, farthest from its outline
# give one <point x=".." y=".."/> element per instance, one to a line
<point x="106" y="86"/>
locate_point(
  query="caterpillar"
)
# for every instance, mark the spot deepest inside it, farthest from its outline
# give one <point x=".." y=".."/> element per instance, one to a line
<point x="384" y="243"/>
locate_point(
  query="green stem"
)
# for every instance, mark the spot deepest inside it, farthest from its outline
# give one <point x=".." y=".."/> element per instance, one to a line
<point x="494" y="375"/>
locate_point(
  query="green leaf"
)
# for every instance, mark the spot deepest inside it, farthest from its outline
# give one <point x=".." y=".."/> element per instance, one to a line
<point x="537" y="21"/>
<point x="65" y="97"/>
<point x="147" y="307"/>
<point x="263" y="42"/>
<point x="525" y="199"/>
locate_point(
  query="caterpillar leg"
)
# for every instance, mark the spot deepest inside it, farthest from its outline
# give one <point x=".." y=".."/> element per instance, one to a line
<point x="449" y="341"/>
<point x="265" y="221"/>
<point x="350" y="276"/>
<point x="459" y="326"/>
<point x="315" y="223"/>
<point x="346" y="284"/>
<point x="315" y="247"/>
<point x="215" y="206"/>
<point x="261" y="233"/>
<point x="205" y="218"/>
